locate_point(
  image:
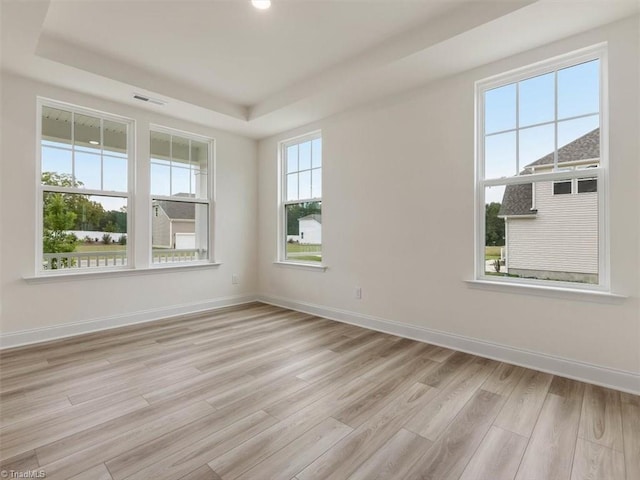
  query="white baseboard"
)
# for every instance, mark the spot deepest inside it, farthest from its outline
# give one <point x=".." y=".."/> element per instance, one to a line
<point x="26" y="337"/>
<point x="604" y="376"/>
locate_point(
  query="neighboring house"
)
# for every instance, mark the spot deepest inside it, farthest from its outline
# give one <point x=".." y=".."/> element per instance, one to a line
<point x="173" y="225"/>
<point x="310" y="228"/>
<point x="551" y="228"/>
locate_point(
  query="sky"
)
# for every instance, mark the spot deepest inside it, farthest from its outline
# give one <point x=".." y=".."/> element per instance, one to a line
<point x="578" y="96"/>
<point x="112" y="175"/>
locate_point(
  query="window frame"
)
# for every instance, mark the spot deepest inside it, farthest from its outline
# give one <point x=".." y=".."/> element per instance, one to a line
<point x="600" y="173"/>
<point x="129" y="195"/>
<point x="282" y="196"/>
<point x="209" y="201"/>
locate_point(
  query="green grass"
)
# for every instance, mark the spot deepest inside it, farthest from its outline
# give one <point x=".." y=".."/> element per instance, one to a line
<point x="492" y="253"/>
<point x="100" y="247"/>
<point x="298" y="248"/>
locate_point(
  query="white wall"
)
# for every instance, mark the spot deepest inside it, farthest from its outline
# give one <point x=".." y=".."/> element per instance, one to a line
<point x="398" y="210"/>
<point x="27" y="306"/>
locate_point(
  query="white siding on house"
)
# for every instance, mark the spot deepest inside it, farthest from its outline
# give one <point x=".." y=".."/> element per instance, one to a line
<point x="310" y="231"/>
<point x="562" y="237"/>
<point x="161" y="228"/>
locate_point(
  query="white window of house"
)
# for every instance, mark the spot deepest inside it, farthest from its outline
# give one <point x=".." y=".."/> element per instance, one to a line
<point x="541" y="174"/>
<point x="301" y="200"/>
<point x="84" y="177"/>
<point x="181" y="197"/>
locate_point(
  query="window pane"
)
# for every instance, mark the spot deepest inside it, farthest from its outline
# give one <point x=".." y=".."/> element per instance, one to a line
<point x="114" y="174"/>
<point x="292" y="186"/>
<point x="292" y="159"/>
<point x="587" y="185"/>
<point x="114" y="135"/>
<point x="56" y="126"/>
<point x="88" y="170"/>
<point x="180" y="231"/>
<point x="562" y="188"/>
<point x="579" y="139"/>
<point x="316" y="183"/>
<point x="160" y="145"/>
<point x="180" y="181"/>
<point x="179" y="151"/>
<point x="536" y="146"/>
<point x="556" y="240"/>
<point x="160" y="180"/>
<point x="82" y="231"/>
<point x="304" y="232"/>
<point x="86" y="133"/>
<point x="500" y="155"/>
<point x="316" y="153"/>
<point x="579" y="90"/>
<point x="537" y="100"/>
<point x="199" y="163"/>
<point x="500" y="109"/>
<point x="305" y="185"/>
<point x="304" y="156"/>
<point x="57" y="162"/>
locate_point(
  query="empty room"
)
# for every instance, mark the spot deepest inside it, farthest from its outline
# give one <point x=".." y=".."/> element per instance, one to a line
<point x="320" y="239"/>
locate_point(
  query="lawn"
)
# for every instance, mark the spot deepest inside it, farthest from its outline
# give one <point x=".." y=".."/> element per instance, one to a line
<point x="492" y="253"/>
<point x="298" y="248"/>
<point x="99" y="247"/>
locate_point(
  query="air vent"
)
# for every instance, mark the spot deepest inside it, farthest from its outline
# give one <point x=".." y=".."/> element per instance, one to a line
<point x="144" y="98"/>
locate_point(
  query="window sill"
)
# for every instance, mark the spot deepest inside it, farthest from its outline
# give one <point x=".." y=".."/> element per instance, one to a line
<point x="302" y="266"/>
<point x="122" y="272"/>
<point x="598" y="296"/>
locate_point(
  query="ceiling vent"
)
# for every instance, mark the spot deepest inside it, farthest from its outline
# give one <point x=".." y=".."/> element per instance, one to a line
<point x="144" y="98"/>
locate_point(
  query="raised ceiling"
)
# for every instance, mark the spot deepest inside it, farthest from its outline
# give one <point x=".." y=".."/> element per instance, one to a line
<point x="228" y="65"/>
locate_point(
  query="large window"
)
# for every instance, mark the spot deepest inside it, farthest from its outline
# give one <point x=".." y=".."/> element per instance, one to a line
<point x="84" y="189"/>
<point x="540" y="174"/>
<point x="301" y="206"/>
<point x="181" y="194"/>
<point x="87" y="195"/>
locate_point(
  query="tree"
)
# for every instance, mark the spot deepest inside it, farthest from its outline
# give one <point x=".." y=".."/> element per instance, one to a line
<point x="57" y="220"/>
<point x="299" y="210"/>
<point x="494" y="226"/>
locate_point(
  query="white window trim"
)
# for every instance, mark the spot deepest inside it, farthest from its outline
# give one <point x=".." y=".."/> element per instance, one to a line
<point x="209" y="201"/>
<point x="281" y="252"/>
<point x="42" y="102"/>
<point x="601" y="173"/>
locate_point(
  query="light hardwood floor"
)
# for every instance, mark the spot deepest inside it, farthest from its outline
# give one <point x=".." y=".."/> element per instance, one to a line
<point x="259" y="392"/>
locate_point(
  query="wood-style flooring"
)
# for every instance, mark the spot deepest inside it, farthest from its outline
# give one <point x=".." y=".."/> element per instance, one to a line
<point x="259" y="392"/>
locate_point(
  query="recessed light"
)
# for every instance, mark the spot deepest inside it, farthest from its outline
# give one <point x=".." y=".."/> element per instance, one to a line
<point x="93" y="142"/>
<point x="261" y="4"/>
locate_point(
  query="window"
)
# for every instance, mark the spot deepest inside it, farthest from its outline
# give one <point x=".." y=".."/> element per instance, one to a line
<point x="180" y="197"/>
<point x="540" y="174"/>
<point x="301" y="206"/>
<point x="84" y="189"/>
<point x="562" y="188"/>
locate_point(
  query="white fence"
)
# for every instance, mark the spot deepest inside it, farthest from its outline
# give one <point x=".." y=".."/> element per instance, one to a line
<point x="116" y="258"/>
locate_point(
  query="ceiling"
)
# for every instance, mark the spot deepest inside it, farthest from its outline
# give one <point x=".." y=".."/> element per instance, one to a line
<point x="225" y="64"/>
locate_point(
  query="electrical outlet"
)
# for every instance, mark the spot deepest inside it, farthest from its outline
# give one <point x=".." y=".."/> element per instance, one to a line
<point x="358" y="293"/>
<point x="235" y="279"/>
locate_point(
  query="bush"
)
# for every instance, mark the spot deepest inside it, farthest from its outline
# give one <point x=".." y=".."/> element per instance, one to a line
<point x="123" y="240"/>
<point x="106" y="239"/>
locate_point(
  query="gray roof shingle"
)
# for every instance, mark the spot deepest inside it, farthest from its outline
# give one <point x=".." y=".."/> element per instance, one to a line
<point x="583" y="148"/>
<point x="178" y="210"/>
